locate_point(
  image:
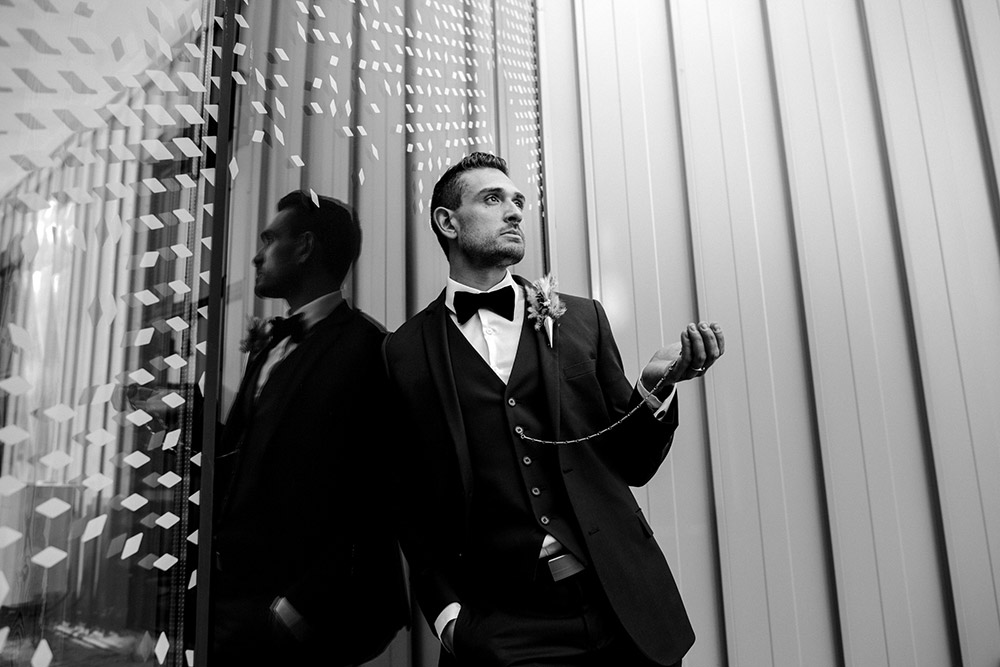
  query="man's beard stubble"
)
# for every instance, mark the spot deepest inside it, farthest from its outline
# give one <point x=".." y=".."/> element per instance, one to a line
<point x="494" y="253"/>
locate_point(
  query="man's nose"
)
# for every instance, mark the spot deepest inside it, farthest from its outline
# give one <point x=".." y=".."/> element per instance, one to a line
<point x="514" y="214"/>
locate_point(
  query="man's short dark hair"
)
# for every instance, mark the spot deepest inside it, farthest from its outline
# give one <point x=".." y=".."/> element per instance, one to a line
<point x="448" y="189"/>
<point x="333" y="224"/>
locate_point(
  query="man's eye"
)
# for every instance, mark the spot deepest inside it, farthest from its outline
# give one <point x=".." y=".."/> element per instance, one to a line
<point x="492" y="198"/>
<point x="519" y="203"/>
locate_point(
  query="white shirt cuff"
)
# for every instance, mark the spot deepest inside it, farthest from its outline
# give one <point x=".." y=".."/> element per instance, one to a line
<point x="658" y="407"/>
<point x="447" y="615"/>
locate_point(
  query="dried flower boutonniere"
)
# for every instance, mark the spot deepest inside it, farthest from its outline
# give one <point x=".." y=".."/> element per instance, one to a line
<point x="544" y="305"/>
<point x="257" y="336"/>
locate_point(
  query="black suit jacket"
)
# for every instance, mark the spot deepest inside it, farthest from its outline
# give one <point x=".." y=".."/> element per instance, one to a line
<point x="587" y="390"/>
<point x="300" y="513"/>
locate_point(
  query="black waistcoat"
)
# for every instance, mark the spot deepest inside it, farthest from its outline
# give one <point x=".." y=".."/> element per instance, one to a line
<point x="518" y="493"/>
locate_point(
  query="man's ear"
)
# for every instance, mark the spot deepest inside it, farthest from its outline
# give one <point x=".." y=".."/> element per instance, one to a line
<point x="306" y="243"/>
<point x="445" y="222"/>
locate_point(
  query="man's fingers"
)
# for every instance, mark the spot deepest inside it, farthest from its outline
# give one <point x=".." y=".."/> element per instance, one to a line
<point x="678" y="369"/>
<point x="710" y="342"/>
<point x="697" y="346"/>
<point x="720" y="339"/>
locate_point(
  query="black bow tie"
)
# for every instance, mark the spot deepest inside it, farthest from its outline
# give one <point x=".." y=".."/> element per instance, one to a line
<point x="288" y="327"/>
<point x="500" y="302"/>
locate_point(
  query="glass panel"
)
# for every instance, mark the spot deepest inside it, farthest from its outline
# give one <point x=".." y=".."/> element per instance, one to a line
<point x="102" y="275"/>
<point x="369" y="101"/>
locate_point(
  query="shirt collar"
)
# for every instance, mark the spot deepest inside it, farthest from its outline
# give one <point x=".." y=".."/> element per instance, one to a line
<point x="319" y="309"/>
<point x="455" y="286"/>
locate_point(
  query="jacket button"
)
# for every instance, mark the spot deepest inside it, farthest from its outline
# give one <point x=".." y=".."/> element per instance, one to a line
<point x="535" y="491"/>
<point x="526" y="460"/>
<point x="519" y="430"/>
<point x="511" y="402"/>
<point x="545" y="520"/>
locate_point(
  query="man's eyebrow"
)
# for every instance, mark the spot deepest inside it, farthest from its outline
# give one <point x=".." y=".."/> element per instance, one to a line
<point x="500" y="191"/>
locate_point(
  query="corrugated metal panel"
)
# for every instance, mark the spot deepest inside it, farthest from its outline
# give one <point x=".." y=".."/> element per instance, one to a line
<point x="818" y="177"/>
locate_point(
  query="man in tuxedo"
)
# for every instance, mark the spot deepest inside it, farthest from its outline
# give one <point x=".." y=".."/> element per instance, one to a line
<point x="523" y="551"/>
<point x="307" y="569"/>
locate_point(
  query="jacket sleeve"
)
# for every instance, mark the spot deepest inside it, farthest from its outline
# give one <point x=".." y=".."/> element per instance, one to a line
<point x="637" y="446"/>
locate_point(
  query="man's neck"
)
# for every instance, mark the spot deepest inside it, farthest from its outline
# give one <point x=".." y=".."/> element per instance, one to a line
<point x="308" y="294"/>
<point x="480" y="279"/>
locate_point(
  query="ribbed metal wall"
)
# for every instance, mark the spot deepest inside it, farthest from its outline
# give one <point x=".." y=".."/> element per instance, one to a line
<point x="820" y="178"/>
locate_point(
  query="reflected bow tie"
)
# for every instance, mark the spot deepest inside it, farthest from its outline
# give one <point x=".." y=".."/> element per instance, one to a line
<point x="500" y="302"/>
<point x="288" y="327"/>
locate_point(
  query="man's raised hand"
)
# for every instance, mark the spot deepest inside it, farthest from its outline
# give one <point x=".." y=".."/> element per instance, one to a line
<point x="700" y="346"/>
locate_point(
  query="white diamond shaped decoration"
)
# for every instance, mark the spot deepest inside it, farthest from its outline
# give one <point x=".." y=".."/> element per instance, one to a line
<point x="173" y="399"/>
<point x="8" y="536"/>
<point x="141" y="376"/>
<point x="175" y="361"/>
<point x="52" y="508"/>
<point x="94" y="528"/>
<point x="42" y="656"/>
<point x="15" y="386"/>
<point x="177" y="324"/>
<point x="59" y="413"/>
<point x="167" y="521"/>
<point x="173" y="437"/>
<point x="9" y="486"/>
<point x="97" y="481"/>
<point x="162" y="645"/>
<point x="134" y="502"/>
<point x="131" y="546"/>
<point x="196" y="459"/>
<point x="57" y="460"/>
<point x="136" y="459"/>
<point x="195" y="497"/>
<point x="169" y="479"/>
<point x="100" y="437"/>
<point x="19" y="336"/>
<point x="192" y="582"/>
<point x="48" y="557"/>
<point x="146" y="298"/>
<point x="165" y="562"/>
<point x="103" y="394"/>
<point x="193" y="537"/>
<point x="139" y="418"/>
<point x="12" y="434"/>
<point x="5" y="587"/>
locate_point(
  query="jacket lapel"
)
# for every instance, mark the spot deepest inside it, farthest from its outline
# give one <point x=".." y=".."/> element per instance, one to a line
<point x="549" y="364"/>
<point x="443" y="375"/>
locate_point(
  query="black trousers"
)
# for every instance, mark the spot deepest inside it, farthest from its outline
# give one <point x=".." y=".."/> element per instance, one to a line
<point x="546" y="624"/>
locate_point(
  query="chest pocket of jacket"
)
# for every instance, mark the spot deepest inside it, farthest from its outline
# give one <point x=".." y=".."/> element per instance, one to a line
<point x="582" y="368"/>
